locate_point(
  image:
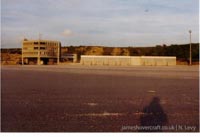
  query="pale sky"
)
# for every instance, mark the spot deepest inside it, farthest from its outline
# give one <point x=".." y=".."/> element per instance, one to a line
<point x="100" y="22"/>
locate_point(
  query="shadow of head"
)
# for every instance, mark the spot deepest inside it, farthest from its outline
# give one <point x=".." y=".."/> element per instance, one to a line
<point x="153" y="117"/>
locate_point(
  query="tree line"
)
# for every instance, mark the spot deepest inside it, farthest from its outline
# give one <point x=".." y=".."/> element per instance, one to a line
<point x="180" y="51"/>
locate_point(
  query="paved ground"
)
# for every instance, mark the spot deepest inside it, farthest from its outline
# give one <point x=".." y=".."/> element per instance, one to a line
<point x="88" y="99"/>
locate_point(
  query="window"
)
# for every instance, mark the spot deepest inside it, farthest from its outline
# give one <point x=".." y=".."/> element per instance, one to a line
<point x="36" y="43"/>
<point x="43" y="48"/>
<point x="35" y="48"/>
<point x="42" y="43"/>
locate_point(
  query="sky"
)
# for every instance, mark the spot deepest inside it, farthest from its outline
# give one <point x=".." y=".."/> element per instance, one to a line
<point x="100" y="22"/>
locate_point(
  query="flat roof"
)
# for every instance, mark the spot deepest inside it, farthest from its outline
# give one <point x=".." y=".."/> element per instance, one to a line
<point x="92" y="56"/>
<point x="24" y="41"/>
<point x="88" y="56"/>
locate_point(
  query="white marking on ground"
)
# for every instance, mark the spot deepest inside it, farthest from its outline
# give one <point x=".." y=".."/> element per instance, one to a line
<point x="188" y="77"/>
<point x="92" y="104"/>
<point x="138" y="113"/>
<point x="104" y="114"/>
<point x="96" y="114"/>
<point x="151" y="91"/>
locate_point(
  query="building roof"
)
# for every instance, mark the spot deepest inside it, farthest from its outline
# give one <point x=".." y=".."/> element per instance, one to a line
<point x="26" y="40"/>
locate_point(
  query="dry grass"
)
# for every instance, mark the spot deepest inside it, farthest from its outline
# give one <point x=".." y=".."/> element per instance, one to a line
<point x="10" y="59"/>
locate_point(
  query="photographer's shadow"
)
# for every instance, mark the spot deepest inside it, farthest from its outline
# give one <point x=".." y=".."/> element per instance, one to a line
<point x="153" y="117"/>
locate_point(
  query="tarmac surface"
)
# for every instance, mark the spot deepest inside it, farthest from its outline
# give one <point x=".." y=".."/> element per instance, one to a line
<point x="75" y="98"/>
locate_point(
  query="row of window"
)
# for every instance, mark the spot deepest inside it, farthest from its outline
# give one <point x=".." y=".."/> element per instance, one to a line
<point x="41" y="53"/>
<point x="33" y="53"/>
<point x="41" y="48"/>
<point x="36" y="48"/>
<point x="42" y="43"/>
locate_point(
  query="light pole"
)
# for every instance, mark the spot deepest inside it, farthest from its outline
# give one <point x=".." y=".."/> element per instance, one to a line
<point x="190" y="47"/>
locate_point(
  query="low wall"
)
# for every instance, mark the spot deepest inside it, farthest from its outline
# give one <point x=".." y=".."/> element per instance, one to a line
<point x="128" y="60"/>
<point x="158" y="61"/>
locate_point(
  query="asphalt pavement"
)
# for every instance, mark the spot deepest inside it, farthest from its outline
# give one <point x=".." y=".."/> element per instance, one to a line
<point x="75" y="98"/>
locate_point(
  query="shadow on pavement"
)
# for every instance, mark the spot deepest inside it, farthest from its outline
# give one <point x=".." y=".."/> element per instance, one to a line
<point x="153" y="117"/>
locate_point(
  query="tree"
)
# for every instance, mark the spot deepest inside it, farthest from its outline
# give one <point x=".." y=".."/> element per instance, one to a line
<point x="116" y="52"/>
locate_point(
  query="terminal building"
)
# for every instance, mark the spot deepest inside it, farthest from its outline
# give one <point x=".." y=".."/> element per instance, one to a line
<point x="41" y="52"/>
<point x="128" y="60"/>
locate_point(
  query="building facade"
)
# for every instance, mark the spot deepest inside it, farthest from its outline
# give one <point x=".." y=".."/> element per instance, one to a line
<point x="128" y="60"/>
<point x="40" y="52"/>
<point x="70" y="57"/>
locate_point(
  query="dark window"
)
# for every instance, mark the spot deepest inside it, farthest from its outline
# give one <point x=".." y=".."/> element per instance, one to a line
<point x="43" y="48"/>
<point x="42" y="43"/>
<point x="36" y="43"/>
<point x="35" y="48"/>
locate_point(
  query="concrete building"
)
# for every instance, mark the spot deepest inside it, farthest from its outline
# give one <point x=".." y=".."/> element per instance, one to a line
<point x="69" y="57"/>
<point x="128" y="60"/>
<point x="40" y="52"/>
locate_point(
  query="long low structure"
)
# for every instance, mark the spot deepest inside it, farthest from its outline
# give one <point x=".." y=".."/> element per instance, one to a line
<point x="128" y="60"/>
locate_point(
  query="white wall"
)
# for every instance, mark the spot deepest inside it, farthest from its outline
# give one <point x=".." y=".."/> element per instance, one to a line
<point x="135" y="61"/>
<point x="128" y="60"/>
